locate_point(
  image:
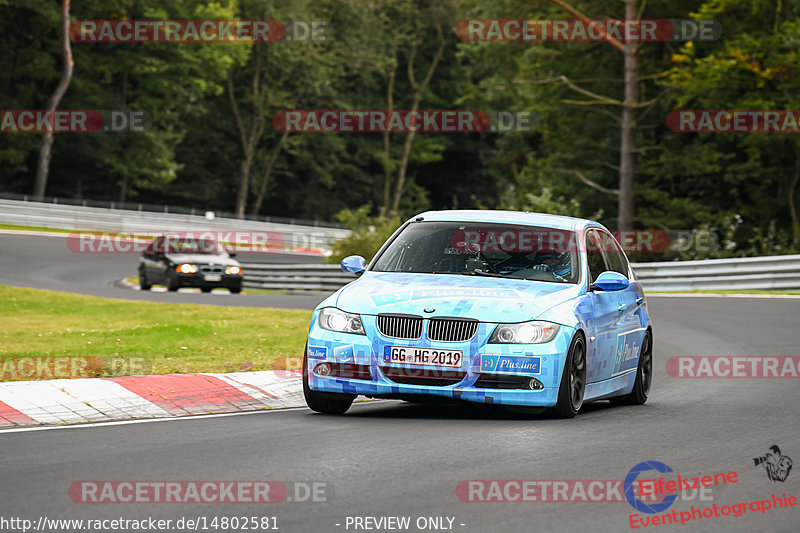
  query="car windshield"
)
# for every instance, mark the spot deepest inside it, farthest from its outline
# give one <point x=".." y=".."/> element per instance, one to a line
<point x="184" y="245"/>
<point x="481" y="249"/>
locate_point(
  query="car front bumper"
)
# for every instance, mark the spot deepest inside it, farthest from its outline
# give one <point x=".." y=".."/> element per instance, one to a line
<point x="472" y="382"/>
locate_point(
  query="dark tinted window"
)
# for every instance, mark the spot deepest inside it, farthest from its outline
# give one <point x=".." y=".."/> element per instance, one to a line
<point x="594" y="255"/>
<point x="616" y="260"/>
<point x="479" y="248"/>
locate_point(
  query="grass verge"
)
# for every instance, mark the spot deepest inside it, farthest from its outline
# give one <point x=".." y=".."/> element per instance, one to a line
<point x="165" y="337"/>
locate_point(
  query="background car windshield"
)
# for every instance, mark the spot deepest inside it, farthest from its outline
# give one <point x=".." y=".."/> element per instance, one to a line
<point x="188" y="246"/>
<point x="516" y="251"/>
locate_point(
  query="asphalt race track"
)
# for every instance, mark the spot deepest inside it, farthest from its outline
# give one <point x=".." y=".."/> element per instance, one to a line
<point x="44" y="262"/>
<point x="389" y="458"/>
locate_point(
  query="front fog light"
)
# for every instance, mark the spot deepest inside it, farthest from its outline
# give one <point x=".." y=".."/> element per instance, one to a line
<point x="323" y="369"/>
<point x="535" y="384"/>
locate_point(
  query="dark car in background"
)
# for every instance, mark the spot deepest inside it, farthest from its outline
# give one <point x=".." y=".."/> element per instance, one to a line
<point x="177" y="262"/>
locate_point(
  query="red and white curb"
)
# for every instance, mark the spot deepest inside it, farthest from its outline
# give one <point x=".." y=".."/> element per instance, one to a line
<point x="74" y="401"/>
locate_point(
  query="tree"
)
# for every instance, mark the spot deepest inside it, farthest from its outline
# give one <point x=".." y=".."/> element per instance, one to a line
<point x="40" y="183"/>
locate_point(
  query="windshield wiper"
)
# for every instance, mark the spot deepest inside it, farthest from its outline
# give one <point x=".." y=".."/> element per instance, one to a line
<point x="479" y="272"/>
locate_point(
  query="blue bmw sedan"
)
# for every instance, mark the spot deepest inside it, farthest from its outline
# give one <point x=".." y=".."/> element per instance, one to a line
<point x="495" y="307"/>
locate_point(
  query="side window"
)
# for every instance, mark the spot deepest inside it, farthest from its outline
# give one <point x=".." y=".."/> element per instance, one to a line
<point x="614" y="256"/>
<point x="594" y="255"/>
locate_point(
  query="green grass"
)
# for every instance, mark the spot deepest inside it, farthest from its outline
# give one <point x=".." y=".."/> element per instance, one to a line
<point x="159" y="337"/>
<point x="135" y="281"/>
<point x="35" y="228"/>
<point x="728" y="291"/>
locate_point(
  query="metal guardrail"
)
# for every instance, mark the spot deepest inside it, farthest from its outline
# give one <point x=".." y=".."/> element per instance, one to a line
<point x="295" y="277"/>
<point x="117" y="220"/>
<point x="759" y="273"/>
<point x="163" y="208"/>
<point x="756" y="273"/>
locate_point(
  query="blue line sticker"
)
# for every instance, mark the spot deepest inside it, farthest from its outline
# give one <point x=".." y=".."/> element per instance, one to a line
<point x="511" y="364"/>
<point x="317" y="352"/>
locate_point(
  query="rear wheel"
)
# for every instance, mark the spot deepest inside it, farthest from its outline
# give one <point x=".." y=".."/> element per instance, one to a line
<point x="143" y="283"/>
<point x="573" y="380"/>
<point x="644" y="375"/>
<point x="324" y="402"/>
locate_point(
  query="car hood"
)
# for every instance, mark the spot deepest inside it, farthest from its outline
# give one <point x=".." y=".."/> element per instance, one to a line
<point x="482" y="298"/>
<point x="202" y="259"/>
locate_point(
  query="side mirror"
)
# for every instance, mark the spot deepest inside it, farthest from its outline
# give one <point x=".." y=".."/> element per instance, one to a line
<point x="610" y="281"/>
<point x="354" y="264"/>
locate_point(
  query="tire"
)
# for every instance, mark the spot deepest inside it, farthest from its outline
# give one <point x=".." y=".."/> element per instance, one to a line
<point x="328" y="403"/>
<point x="236" y="290"/>
<point x="172" y="283"/>
<point x="143" y="283"/>
<point x="206" y="289"/>
<point x="573" y="380"/>
<point x="644" y="375"/>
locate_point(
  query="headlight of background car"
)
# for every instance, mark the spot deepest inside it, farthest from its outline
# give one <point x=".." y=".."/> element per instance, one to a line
<point x="337" y="320"/>
<point x="233" y="270"/>
<point x="187" y="268"/>
<point x="533" y="332"/>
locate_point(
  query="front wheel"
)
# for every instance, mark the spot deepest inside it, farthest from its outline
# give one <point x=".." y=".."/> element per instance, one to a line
<point x="644" y="376"/>
<point x="573" y="380"/>
<point x="172" y="283"/>
<point x="324" y="402"/>
<point x="143" y="283"/>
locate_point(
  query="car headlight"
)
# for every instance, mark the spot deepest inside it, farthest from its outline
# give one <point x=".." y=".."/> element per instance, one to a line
<point x="337" y="320"/>
<point x="186" y="268"/>
<point x="533" y="332"/>
<point x="233" y="270"/>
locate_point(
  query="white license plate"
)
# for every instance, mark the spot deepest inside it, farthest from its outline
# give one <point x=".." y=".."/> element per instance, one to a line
<point x="212" y="277"/>
<point x="422" y="356"/>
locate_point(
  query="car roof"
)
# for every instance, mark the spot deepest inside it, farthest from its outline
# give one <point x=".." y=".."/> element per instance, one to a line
<point x="510" y="217"/>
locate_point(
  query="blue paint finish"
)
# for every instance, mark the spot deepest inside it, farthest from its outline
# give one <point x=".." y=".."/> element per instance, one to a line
<point x="613" y="323"/>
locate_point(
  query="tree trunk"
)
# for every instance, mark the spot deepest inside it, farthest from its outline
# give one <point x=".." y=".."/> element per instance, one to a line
<point x="262" y="191"/>
<point x="249" y="139"/>
<point x="792" y="205"/>
<point x="418" y="90"/>
<point x="40" y="183"/>
<point x="387" y="166"/>
<point x="123" y="188"/>
<point x="628" y="140"/>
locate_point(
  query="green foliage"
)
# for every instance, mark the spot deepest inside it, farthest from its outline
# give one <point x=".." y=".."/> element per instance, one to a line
<point x="368" y="234"/>
<point x="745" y="188"/>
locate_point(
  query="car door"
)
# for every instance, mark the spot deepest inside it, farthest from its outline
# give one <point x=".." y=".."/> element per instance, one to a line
<point x="155" y="261"/>
<point x="603" y="324"/>
<point x="630" y="332"/>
